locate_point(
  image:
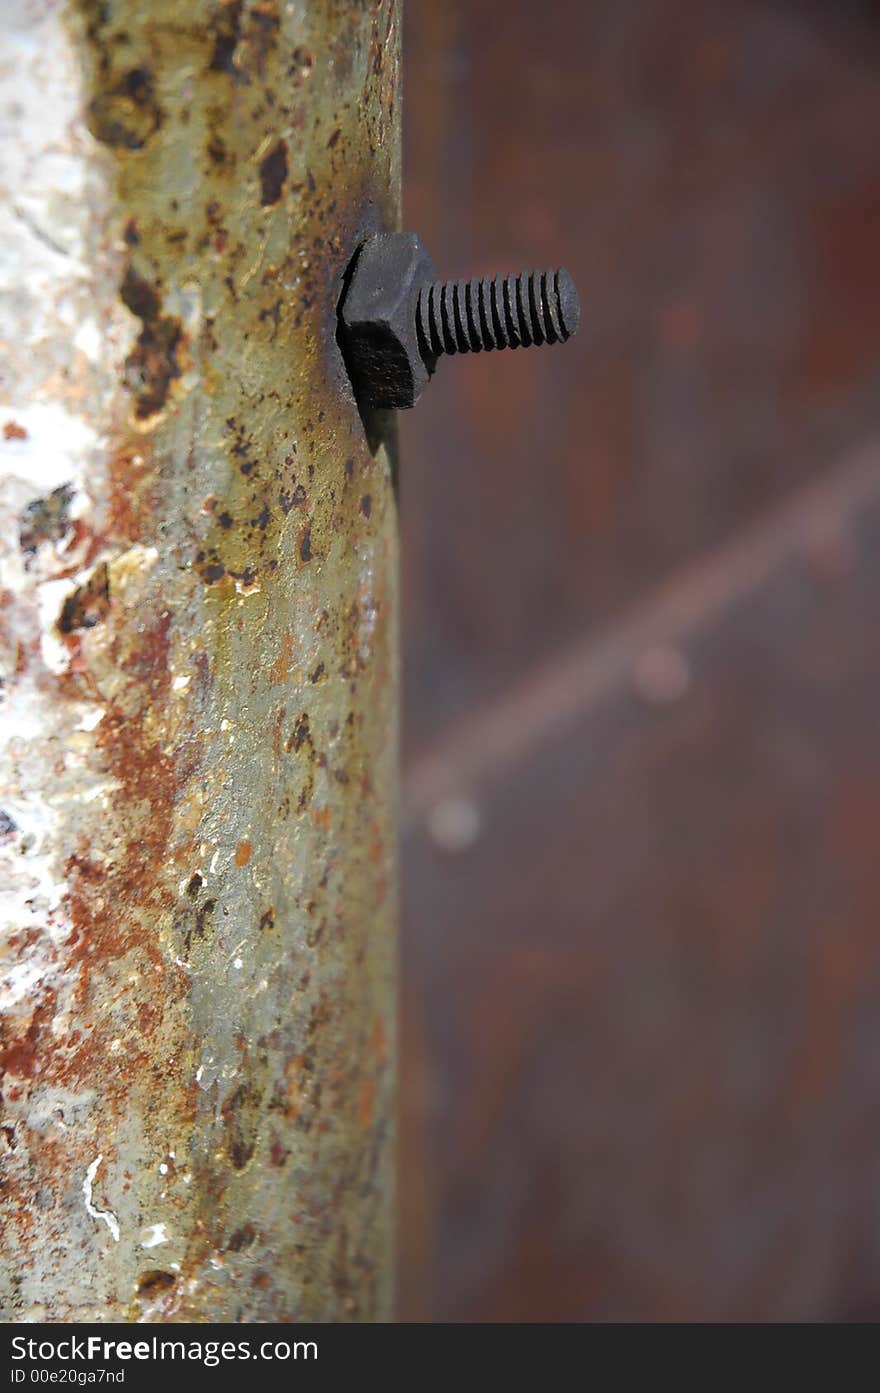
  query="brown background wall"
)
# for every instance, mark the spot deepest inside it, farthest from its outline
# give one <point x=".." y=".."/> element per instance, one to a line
<point x="642" y="753"/>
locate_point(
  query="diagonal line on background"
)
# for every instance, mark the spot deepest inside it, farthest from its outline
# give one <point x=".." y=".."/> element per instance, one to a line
<point x="482" y="746"/>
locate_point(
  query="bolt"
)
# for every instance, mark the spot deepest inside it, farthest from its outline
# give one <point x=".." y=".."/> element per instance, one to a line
<point x="504" y="312"/>
<point x="396" y="319"/>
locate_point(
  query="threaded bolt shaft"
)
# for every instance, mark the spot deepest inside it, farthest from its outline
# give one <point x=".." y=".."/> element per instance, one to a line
<point x="496" y="312"/>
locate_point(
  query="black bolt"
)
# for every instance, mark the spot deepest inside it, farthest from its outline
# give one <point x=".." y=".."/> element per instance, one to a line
<point x="504" y="312"/>
<point x="397" y="319"/>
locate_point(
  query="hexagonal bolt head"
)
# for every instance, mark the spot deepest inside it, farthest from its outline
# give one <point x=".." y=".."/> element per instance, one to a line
<point x="378" y="313"/>
<point x="397" y="320"/>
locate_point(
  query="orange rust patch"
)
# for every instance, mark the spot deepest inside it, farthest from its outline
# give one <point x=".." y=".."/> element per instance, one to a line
<point x="13" y="431"/>
<point x="106" y="893"/>
<point x="276" y="733"/>
<point x="323" y="817"/>
<point x="131" y="478"/>
<point x="155" y="1281"/>
<point x="19" y="1054"/>
<point x="365" y="1102"/>
<point x="278" y="1154"/>
<point x="294" y="1102"/>
<point x="243" y="854"/>
<point x="281" y="666"/>
<point x="379" y="1040"/>
<point x="377" y="850"/>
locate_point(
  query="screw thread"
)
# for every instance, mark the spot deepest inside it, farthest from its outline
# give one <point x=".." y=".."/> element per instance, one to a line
<point x="497" y="312"/>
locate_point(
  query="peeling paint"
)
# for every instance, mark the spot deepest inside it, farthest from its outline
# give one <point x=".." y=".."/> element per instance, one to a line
<point x="104" y="1215"/>
<point x="153" y="1236"/>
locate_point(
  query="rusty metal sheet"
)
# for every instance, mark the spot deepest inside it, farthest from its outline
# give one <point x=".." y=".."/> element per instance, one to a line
<point x="199" y="639"/>
<point x="648" y="954"/>
<point x="708" y="172"/>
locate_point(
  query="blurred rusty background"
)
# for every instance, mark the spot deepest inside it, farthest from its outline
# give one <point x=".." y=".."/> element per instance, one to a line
<point x="642" y="653"/>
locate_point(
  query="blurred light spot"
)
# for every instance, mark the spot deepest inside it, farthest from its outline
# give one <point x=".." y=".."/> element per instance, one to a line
<point x="454" y="824"/>
<point x="662" y="675"/>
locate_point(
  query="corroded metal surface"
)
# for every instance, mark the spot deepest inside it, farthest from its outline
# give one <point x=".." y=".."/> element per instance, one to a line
<point x="641" y="953"/>
<point x="199" y="663"/>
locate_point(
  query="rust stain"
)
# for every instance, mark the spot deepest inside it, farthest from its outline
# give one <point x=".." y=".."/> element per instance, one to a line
<point x="156" y="361"/>
<point x="273" y="174"/>
<point x="379" y="1040"/>
<point x="154" y="1281"/>
<point x="276" y="731"/>
<point x="125" y="114"/>
<point x="294" y="1070"/>
<point x="89" y="603"/>
<point x="365" y="1102"/>
<point x="281" y="666"/>
<point x="244" y="853"/>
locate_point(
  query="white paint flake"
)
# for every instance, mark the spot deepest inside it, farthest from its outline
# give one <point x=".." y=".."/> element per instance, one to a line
<point x="105" y="1214"/>
<point x="153" y="1235"/>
